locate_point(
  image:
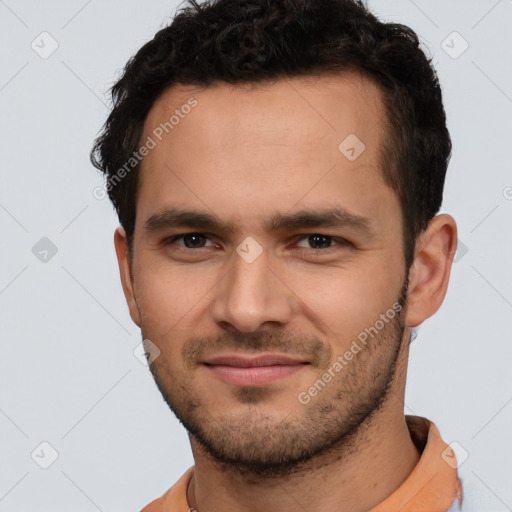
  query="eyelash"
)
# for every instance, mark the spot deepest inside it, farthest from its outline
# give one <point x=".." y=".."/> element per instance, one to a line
<point x="341" y="242"/>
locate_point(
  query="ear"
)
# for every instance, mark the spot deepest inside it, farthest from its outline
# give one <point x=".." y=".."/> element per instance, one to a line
<point x="430" y="271"/>
<point x="125" y="272"/>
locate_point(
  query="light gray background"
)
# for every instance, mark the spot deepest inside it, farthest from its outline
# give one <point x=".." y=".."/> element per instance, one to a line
<point x="68" y="375"/>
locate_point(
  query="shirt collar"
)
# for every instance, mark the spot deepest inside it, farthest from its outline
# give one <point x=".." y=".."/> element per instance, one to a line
<point x="433" y="484"/>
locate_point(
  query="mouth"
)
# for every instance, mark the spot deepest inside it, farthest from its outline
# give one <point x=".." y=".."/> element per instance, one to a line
<point x="253" y="371"/>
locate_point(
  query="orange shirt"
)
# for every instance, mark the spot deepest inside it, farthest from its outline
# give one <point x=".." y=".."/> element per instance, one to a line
<point x="433" y="485"/>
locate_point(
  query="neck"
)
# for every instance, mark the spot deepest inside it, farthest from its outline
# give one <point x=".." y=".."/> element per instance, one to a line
<point x="380" y="460"/>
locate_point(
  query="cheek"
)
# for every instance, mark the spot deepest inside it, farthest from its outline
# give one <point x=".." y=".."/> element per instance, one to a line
<point x="171" y="298"/>
<point x="343" y="302"/>
<point x="340" y="304"/>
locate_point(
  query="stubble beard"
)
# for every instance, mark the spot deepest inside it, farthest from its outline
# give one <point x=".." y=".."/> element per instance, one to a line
<point x="260" y="445"/>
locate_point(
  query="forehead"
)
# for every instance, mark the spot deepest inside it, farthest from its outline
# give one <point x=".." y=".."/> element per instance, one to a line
<point x="236" y="148"/>
<point x="340" y="103"/>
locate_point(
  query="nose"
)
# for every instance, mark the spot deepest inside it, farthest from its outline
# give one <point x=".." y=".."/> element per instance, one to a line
<point x="250" y="295"/>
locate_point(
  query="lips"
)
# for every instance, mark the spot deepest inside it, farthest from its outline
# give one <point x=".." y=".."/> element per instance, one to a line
<point x="258" y="370"/>
<point x="249" y="362"/>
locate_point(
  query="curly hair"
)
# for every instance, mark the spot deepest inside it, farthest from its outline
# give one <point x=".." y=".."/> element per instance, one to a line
<point x="238" y="41"/>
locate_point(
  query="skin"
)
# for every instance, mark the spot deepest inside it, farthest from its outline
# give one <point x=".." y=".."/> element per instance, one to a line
<point x="245" y="153"/>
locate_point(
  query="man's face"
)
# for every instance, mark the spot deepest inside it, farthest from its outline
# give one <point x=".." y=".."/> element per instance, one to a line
<point x="247" y="155"/>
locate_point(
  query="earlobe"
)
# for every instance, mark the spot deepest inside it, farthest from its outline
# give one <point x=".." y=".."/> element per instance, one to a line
<point x="125" y="273"/>
<point x="430" y="272"/>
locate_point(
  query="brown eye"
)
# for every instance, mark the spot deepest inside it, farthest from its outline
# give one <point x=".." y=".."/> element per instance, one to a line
<point x="190" y="241"/>
<point x="319" y="242"/>
<point x="193" y="240"/>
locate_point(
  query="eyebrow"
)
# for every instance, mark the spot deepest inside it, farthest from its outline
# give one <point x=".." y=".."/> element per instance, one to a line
<point x="337" y="217"/>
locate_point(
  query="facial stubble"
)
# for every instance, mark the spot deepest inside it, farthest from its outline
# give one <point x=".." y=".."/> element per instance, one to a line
<point x="261" y="445"/>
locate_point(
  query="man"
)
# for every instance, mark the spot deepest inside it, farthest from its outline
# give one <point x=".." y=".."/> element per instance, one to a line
<point x="277" y="167"/>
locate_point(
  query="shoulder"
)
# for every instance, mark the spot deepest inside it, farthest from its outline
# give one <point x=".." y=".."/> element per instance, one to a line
<point x="475" y="496"/>
<point x="155" y="506"/>
<point x="175" y="499"/>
